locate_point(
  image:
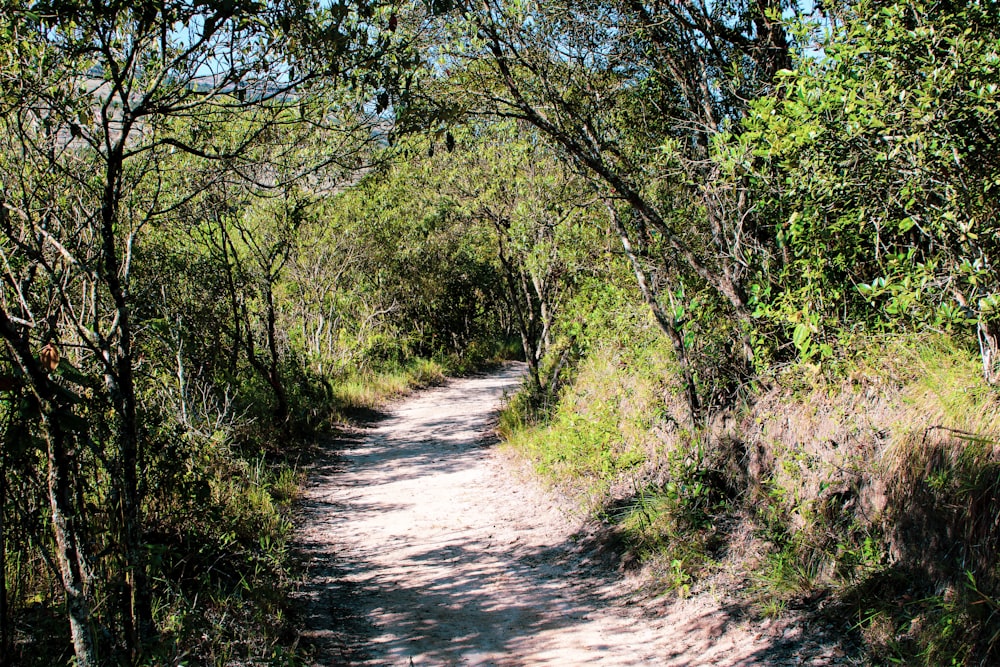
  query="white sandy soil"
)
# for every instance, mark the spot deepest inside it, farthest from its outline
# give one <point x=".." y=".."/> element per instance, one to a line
<point x="424" y="546"/>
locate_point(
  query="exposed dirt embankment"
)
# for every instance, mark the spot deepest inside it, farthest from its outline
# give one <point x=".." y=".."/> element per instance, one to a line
<point x="426" y="546"/>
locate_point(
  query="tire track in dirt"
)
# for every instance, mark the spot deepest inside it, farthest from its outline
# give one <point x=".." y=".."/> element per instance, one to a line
<point x="423" y="547"/>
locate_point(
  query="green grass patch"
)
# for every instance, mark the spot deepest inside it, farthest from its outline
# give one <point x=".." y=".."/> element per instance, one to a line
<point x="372" y="388"/>
<point x="220" y="551"/>
<point x="872" y="483"/>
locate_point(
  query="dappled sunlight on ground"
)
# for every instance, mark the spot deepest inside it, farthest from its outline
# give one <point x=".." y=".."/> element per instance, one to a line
<point x="423" y="548"/>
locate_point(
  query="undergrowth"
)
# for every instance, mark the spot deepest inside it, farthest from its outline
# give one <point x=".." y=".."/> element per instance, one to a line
<point x="869" y="486"/>
<point x="218" y="530"/>
<point x="371" y="388"/>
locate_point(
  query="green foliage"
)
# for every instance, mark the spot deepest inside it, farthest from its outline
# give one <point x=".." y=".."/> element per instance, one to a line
<point x="413" y="274"/>
<point x="904" y="622"/>
<point x="600" y="428"/>
<point x="841" y="228"/>
<point x="161" y="166"/>
<point x="876" y="173"/>
<point x="676" y="522"/>
<point x="221" y="546"/>
<point x="229" y="263"/>
<point x="601" y="434"/>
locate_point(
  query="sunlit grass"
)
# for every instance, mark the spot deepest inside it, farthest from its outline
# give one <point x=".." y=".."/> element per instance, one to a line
<point x="372" y="388"/>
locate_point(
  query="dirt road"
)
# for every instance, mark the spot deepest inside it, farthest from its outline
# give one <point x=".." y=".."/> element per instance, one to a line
<point x="425" y="547"/>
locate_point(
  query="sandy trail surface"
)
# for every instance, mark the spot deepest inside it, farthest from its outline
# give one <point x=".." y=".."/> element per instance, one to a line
<point x="425" y="546"/>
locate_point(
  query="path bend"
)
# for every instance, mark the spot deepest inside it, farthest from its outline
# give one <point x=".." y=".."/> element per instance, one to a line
<point x="424" y="547"/>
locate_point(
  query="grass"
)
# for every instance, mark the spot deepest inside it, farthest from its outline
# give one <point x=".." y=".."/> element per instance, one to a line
<point x="942" y="467"/>
<point x="219" y="532"/>
<point x="223" y="559"/>
<point x="601" y="428"/>
<point x="658" y="526"/>
<point x="372" y="388"/>
<point x="882" y="490"/>
<point x="612" y="438"/>
<point x="873" y="484"/>
<point x="223" y="544"/>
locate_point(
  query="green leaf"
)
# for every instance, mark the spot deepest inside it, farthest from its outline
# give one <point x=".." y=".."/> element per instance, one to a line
<point x="801" y="336"/>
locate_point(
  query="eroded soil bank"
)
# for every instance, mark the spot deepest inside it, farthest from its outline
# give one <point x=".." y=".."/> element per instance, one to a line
<point x="424" y="545"/>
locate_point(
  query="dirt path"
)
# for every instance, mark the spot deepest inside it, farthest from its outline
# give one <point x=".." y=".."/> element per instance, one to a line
<point x="425" y="548"/>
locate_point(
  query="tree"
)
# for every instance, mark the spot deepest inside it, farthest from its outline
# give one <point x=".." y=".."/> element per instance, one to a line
<point x="878" y="167"/>
<point x="96" y="99"/>
<point x="635" y="94"/>
<point x="418" y="274"/>
<point x="542" y="220"/>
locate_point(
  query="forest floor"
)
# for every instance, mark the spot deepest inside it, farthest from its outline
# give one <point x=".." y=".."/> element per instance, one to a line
<point x="426" y="545"/>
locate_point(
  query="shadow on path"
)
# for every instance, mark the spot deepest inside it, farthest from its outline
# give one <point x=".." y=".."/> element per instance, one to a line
<point x="420" y="549"/>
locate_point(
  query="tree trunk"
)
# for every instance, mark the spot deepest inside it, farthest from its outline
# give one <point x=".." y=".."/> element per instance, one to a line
<point x="989" y="350"/>
<point x="137" y="612"/>
<point x="234" y="301"/>
<point x="68" y="556"/>
<point x="771" y="52"/>
<point x="519" y="299"/>
<point x="68" y="551"/>
<point x="4" y="627"/>
<point x="528" y="343"/>
<point x="665" y="322"/>
<point x="589" y="152"/>
<point x="274" y="362"/>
